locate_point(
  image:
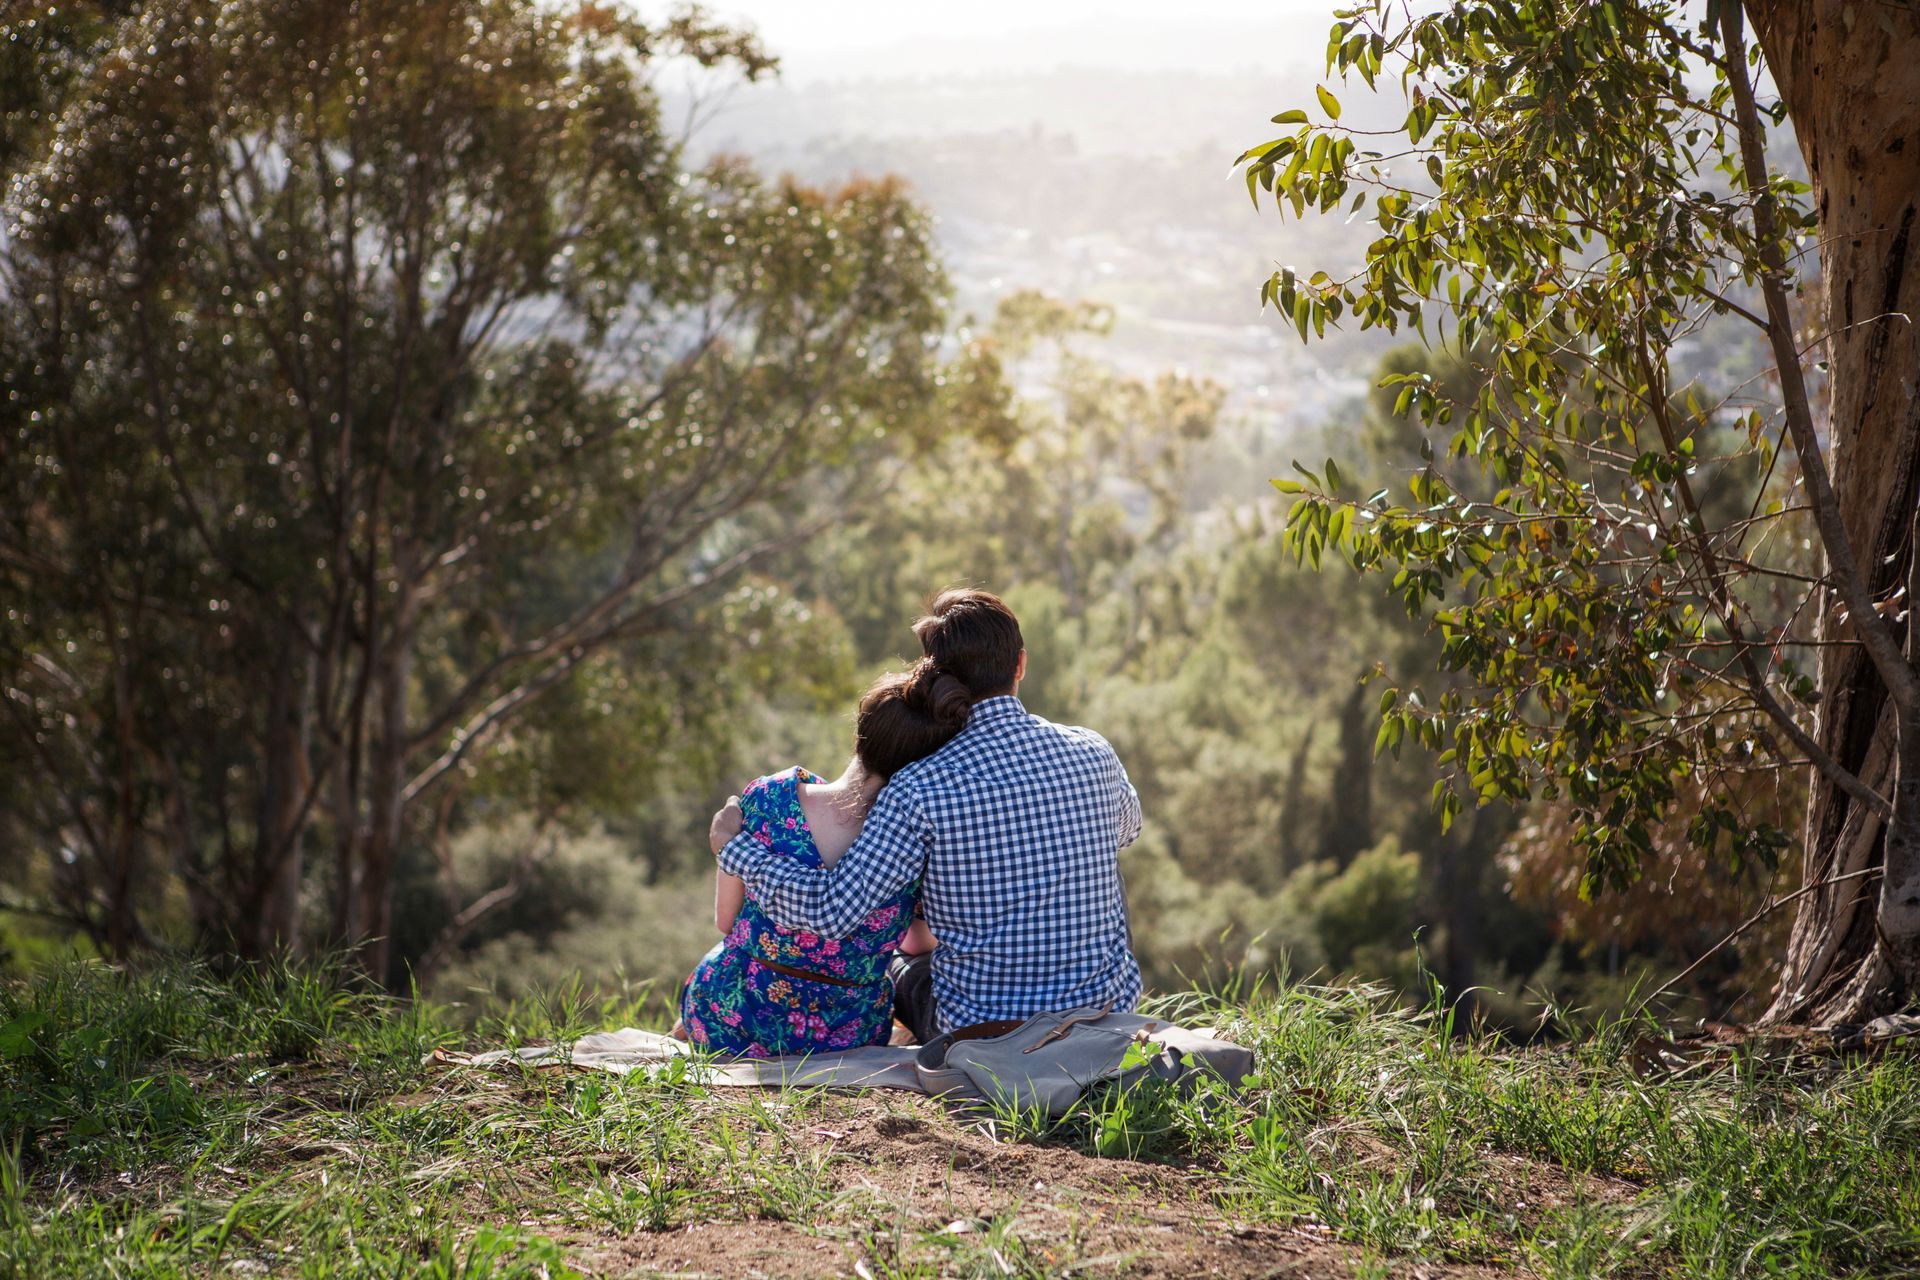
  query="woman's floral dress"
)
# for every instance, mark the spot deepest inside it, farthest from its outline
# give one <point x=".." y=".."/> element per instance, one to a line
<point x="733" y="1003"/>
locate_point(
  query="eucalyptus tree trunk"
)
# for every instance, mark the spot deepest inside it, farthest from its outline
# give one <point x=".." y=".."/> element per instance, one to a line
<point x="285" y="796"/>
<point x="387" y="781"/>
<point x="1850" y="74"/>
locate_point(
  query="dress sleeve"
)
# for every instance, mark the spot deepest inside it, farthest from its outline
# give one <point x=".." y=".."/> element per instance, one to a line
<point x="882" y="863"/>
<point x="753" y="802"/>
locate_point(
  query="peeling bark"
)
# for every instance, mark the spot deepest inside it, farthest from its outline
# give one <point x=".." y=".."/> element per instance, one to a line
<point x="1850" y="74"/>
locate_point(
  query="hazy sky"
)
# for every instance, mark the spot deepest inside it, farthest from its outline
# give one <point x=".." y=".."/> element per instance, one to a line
<point x="835" y="38"/>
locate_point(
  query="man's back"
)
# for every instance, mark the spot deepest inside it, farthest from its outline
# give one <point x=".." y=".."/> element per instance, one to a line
<point x="1024" y="820"/>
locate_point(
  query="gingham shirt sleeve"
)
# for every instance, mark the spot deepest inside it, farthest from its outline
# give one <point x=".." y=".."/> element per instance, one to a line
<point x="1129" y="807"/>
<point x="888" y="856"/>
<point x="1129" y="830"/>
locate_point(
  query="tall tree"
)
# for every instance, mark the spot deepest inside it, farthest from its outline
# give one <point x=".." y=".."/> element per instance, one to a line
<point x="1851" y="84"/>
<point x="1572" y="197"/>
<point x="372" y="365"/>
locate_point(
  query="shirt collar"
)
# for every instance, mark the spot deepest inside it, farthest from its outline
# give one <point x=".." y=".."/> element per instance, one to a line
<point x="992" y="710"/>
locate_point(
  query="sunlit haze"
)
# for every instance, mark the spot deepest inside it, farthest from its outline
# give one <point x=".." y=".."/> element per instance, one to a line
<point x="1080" y="148"/>
<point x="829" y="38"/>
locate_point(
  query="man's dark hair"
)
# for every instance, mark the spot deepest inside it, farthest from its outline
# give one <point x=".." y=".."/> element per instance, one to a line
<point x="973" y="635"/>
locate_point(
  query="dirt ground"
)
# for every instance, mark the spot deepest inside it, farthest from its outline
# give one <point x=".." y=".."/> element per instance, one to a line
<point x="915" y="1166"/>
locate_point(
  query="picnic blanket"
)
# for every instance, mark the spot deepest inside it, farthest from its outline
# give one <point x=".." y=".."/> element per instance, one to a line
<point x="1048" y="1062"/>
<point x="630" y="1049"/>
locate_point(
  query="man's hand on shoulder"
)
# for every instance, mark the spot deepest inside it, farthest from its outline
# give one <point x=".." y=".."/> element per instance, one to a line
<point x="726" y="825"/>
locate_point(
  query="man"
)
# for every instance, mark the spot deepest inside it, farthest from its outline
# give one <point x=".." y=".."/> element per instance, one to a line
<point x="1014" y="829"/>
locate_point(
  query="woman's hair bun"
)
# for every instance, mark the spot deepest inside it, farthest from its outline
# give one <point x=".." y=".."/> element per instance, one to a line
<point x="952" y="700"/>
<point x="939" y="694"/>
<point x="908" y="715"/>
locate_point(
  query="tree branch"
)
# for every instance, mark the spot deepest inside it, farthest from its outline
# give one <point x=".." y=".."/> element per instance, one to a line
<point x="513" y="700"/>
<point x="1742" y="927"/>
<point x="1722" y="596"/>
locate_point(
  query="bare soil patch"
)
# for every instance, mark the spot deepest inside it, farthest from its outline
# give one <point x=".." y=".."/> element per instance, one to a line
<point x="916" y="1186"/>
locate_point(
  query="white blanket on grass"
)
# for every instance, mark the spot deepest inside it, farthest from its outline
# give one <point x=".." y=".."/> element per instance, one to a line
<point x="630" y="1049"/>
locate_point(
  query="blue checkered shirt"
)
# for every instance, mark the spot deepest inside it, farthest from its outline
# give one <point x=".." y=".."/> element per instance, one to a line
<point x="1014" y="829"/>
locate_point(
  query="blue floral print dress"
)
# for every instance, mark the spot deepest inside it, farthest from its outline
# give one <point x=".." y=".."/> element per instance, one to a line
<point x="734" y="1003"/>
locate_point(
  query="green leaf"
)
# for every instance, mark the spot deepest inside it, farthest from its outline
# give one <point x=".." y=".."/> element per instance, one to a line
<point x="16" y="1037"/>
<point x="1295" y="116"/>
<point x="1328" y="103"/>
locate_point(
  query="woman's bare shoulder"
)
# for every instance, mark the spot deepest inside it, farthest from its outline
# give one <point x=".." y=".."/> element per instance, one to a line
<point x="831" y="822"/>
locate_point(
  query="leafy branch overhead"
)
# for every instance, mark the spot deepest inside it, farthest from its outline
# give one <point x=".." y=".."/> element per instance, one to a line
<point x="1614" y="558"/>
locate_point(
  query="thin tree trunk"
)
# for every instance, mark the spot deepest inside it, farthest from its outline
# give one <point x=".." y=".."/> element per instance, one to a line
<point x="350" y="753"/>
<point x="183" y="842"/>
<point x="386" y="789"/>
<point x="345" y="809"/>
<point x="1850" y="75"/>
<point x="1293" y="806"/>
<point x="279" y="854"/>
<point x="123" y="929"/>
<point x="1348" y="829"/>
<point x="1461" y="870"/>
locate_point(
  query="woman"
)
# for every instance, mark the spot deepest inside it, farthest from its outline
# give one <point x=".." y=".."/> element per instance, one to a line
<point x="766" y="989"/>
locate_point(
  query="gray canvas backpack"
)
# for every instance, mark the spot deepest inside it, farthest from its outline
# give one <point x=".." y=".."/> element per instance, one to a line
<point x="1050" y="1061"/>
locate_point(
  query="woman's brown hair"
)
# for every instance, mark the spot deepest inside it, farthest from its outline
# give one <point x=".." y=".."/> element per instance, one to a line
<point x="908" y="715"/>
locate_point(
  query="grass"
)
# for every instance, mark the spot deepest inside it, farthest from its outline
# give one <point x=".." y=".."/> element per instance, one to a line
<point x="162" y="1122"/>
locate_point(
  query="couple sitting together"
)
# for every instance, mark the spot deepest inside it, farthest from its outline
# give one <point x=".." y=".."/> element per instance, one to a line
<point x="961" y="875"/>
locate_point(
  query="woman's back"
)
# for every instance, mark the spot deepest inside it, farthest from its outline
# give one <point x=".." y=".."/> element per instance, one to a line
<point x="833" y="816"/>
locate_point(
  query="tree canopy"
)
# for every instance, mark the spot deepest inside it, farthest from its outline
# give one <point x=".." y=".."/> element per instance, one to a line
<point x="376" y="371"/>
<point x="1575" y="190"/>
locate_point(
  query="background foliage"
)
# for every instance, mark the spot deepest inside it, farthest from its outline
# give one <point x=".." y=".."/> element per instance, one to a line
<point x="674" y="506"/>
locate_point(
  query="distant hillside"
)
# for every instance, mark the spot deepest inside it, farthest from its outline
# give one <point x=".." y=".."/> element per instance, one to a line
<point x="1092" y="183"/>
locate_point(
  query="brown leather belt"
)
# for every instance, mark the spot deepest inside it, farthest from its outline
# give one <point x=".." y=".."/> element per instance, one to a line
<point x="803" y="974"/>
<point x="987" y="1030"/>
